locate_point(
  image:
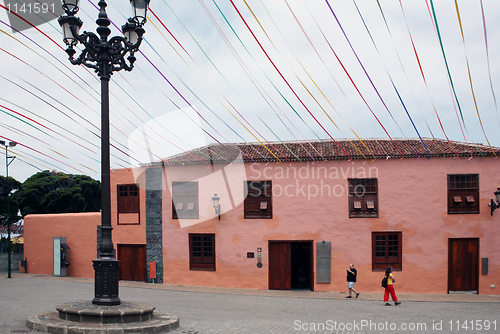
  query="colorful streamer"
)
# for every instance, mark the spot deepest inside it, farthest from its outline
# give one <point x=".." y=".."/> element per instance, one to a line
<point x="284" y="79"/>
<point x="470" y="79"/>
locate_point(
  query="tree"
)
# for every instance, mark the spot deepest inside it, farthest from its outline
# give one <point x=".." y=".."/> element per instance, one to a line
<point x="50" y="192"/>
<point x="8" y="187"/>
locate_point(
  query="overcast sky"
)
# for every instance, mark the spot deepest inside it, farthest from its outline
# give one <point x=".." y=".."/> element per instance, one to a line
<point x="222" y="82"/>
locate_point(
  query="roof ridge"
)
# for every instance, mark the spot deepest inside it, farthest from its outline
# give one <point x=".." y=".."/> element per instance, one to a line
<point x="328" y="149"/>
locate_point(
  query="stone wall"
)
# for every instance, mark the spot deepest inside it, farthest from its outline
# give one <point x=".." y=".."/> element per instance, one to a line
<point x="154" y="235"/>
<point x="14" y="261"/>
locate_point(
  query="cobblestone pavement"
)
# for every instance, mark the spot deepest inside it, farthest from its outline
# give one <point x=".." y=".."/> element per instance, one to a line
<point x="207" y="310"/>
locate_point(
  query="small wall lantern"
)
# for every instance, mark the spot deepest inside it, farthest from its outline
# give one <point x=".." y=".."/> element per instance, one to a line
<point x="215" y="201"/>
<point x="496" y="205"/>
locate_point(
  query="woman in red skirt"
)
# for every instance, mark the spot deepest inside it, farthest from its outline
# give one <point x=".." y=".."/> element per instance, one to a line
<point x="390" y="287"/>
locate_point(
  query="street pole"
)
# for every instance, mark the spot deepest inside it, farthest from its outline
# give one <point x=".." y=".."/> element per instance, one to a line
<point x="9" y="274"/>
<point x="105" y="56"/>
<point x="7" y="163"/>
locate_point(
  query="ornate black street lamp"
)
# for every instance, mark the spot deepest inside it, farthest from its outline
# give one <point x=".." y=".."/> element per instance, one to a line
<point x="7" y="164"/>
<point x="494" y="205"/>
<point x="105" y="56"/>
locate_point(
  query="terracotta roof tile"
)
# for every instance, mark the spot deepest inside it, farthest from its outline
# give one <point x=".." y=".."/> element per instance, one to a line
<point x="342" y="149"/>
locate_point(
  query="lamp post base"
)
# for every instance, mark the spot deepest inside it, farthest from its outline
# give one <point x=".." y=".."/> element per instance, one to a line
<point x="106" y="281"/>
<point x="85" y="318"/>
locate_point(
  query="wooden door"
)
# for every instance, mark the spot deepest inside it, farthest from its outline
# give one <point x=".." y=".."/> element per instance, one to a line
<point x="280" y="266"/>
<point x="132" y="262"/>
<point x="463" y="264"/>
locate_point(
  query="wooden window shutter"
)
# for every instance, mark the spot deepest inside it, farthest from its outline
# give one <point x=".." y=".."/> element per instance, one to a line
<point x="463" y="193"/>
<point x="258" y="200"/>
<point x="128" y="198"/>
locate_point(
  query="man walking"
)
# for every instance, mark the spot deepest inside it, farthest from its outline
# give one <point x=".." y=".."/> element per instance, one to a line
<point x="352" y="273"/>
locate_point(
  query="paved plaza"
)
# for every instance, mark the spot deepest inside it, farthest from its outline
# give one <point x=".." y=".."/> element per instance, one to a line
<point x="219" y="310"/>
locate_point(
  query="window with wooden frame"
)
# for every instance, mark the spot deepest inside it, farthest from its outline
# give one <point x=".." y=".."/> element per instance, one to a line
<point x="128" y="198"/>
<point x="463" y="193"/>
<point x="258" y="200"/>
<point x="387" y="250"/>
<point x="202" y="252"/>
<point x="185" y="200"/>
<point x="363" y="198"/>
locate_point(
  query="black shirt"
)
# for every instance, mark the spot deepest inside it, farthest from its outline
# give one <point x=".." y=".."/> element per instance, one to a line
<point x="351" y="277"/>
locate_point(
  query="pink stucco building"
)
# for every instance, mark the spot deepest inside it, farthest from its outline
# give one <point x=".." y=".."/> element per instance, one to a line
<point x="295" y="215"/>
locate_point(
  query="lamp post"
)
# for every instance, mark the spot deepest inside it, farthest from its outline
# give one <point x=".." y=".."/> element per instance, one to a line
<point x="7" y="163"/>
<point x="105" y="56"/>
